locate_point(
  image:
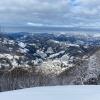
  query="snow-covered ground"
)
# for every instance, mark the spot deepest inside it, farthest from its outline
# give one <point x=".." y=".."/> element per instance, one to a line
<point x="54" y="93"/>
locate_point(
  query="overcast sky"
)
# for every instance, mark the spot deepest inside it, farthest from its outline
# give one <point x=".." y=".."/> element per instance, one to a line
<point x="50" y="13"/>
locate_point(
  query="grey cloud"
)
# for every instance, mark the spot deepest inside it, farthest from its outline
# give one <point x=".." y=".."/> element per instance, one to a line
<point x="50" y="12"/>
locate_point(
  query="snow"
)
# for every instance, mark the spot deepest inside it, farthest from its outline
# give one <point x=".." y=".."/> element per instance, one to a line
<point x="93" y="66"/>
<point x="23" y="50"/>
<point x="14" y="63"/>
<point x="9" y="56"/>
<point x="73" y="45"/>
<point x="11" y="42"/>
<point x="56" y="54"/>
<point x="6" y="56"/>
<point x="22" y="45"/>
<point x="96" y="35"/>
<point x="50" y="50"/>
<point x="54" y="41"/>
<point x="42" y="54"/>
<point x="50" y="66"/>
<point x="54" y="93"/>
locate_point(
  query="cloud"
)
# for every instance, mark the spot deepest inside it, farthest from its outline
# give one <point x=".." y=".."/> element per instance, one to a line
<point x="34" y="24"/>
<point x="47" y="25"/>
<point x="50" y="12"/>
<point x="23" y="11"/>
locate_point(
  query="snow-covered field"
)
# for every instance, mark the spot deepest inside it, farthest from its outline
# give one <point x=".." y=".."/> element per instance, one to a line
<point x="54" y="93"/>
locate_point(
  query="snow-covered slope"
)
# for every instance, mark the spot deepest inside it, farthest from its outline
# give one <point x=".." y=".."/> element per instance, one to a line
<point x="54" y="93"/>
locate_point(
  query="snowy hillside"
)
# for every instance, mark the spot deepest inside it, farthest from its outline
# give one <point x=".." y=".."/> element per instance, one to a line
<point x="48" y="59"/>
<point x="54" y="93"/>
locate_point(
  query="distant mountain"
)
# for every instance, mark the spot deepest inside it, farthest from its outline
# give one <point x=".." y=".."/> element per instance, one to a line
<point x="41" y="59"/>
<point x="50" y="29"/>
